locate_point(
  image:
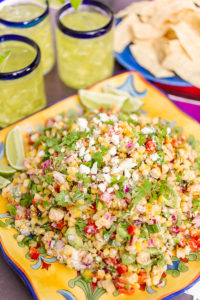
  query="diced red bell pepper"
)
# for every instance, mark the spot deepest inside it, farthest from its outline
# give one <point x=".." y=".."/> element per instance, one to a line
<point x="131" y="229"/>
<point x="143" y="287"/>
<point x="91" y="229"/>
<point x="90" y="222"/>
<point x="60" y="225"/>
<point x="121" y="269"/>
<point x="142" y="277"/>
<point x="150" y="146"/>
<point x="193" y="244"/>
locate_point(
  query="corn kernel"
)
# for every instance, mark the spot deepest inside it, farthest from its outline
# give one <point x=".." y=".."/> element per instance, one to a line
<point x="87" y="273"/>
<point x="106" y="252"/>
<point x="138" y="246"/>
<point x="94" y="191"/>
<point x="101" y="273"/>
<point x="22" y="189"/>
<point x="108" y="276"/>
<point x="64" y="229"/>
<point x="130" y="268"/>
<point x="99" y="206"/>
<point x="168" y="223"/>
<point x="76" y="213"/>
<point x="149" y="206"/>
<point x="161" y="199"/>
<point x="15" y="181"/>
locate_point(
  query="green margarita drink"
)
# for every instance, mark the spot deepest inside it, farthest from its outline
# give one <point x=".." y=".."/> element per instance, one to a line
<point x="21" y="79"/>
<point x="32" y="20"/>
<point x="85" y="44"/>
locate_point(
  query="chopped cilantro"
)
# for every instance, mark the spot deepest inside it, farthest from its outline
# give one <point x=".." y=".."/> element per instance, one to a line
<point x="191" y="140"/>
<point x="104" y="149"/>
<point x="122" y="117"/>
<point x="196" y="204"/>
<point x="82" y="177"/>
<point x="48" y="178"/>
<point x="141" y="138"/>
<point x="71" y="139"/>
<point x="120" y="194"/>
<point x="109" y="122"/>
<point x="80" y="229"/>
<point x="97" y="157"/>
<point x="63" y="199"/>
<point x="78" y="195"/>
<point x="26" y="200"/>
<point x="11" y="209"/>
<point x="119" y="181"/>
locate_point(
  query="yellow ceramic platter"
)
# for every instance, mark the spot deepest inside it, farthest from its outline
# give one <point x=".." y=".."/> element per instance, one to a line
<point x="60" y="282"/>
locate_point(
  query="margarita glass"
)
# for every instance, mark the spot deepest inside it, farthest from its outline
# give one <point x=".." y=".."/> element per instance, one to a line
<point x="21" y="79"/>
<point x="30" y="18"/>
<point x="84" y="43"/>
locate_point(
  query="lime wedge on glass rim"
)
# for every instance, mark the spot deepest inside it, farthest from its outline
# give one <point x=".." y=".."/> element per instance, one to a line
<point x="5" y="170"/>
<point x="130" y="105"/>
<point x="3" y="182"/>
<point x="15" y="148"/>
<point x="96" y="100"/>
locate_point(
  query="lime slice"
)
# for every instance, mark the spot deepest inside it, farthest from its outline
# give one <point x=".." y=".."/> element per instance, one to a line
<point x="15" y="148"/>
<point x="3" y="182"/>
<point x="111" y="90"/>
<point x="5" y="170"/>
<point x="131" y="105"/>
<point x="96" y="100"/>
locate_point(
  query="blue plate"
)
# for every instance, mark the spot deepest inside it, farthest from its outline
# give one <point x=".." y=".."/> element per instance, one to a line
<point x="127" y="60"/>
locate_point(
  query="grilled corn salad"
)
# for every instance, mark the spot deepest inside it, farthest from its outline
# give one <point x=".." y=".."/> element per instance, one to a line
<point x="115" y="196"/>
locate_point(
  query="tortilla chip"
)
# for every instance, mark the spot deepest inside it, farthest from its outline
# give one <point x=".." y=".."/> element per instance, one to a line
<point x="179" y="61"/>
<point x="145" y="54"/>
<point x="189" y="39"/>
<point x="161" y="45"/>
<point x="143" y="7"/>
<point x="166" y="8"/>
<point x="148" y="31"/>
<point x="123" y="34"/>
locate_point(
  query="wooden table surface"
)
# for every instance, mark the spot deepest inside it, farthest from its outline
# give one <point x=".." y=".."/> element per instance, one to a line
<point x="11" y="286"/>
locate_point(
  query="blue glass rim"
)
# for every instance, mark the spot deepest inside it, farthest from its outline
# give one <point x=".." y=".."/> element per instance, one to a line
<point x="86" y="34"/>
<point x="27" y="24"/>
<point x="29" y="68"/>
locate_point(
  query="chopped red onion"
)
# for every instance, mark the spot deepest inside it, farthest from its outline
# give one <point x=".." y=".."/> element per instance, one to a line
<point x="131" y="240"/>
<point x="127" y="189"/>
<point x="129" y="145"/>
<point x="46" y="164"/>
<point x="174" y="219"/>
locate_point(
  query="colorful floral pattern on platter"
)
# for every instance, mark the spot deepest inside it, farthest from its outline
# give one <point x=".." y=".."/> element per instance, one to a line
<point x="45" y="277"/>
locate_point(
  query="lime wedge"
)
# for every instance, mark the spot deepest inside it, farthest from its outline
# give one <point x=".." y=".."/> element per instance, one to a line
<point x="111" y="90"/>
<point x="3" y="182"/>
<point x="96" y="100"/>
<point x="15" y="148"/>
<point x="131" y="105"/>
<point x="5" y="170"/>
